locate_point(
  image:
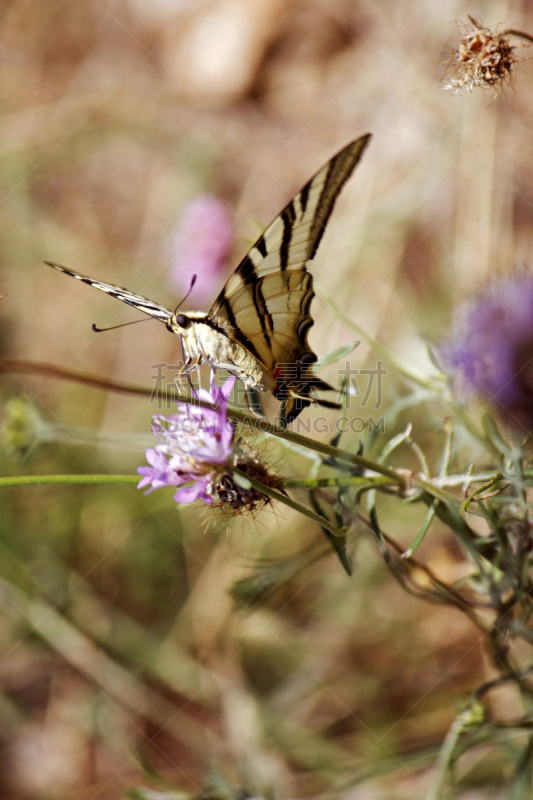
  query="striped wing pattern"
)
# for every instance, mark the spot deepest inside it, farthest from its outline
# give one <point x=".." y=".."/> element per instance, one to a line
<point x="266" y="302"/>
<point x="135" y="300"/>
<point x="269" y="294"/>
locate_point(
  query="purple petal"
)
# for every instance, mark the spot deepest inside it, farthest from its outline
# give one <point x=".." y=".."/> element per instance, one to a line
<point x="188" y="494"/>
<point x="228" y="386"/>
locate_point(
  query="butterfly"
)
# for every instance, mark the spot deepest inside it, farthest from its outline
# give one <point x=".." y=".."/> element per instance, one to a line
<point x="257" y="328"/>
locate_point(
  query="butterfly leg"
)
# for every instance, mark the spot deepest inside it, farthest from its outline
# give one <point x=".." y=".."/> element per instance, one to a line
<point x="252" y="403"/>
<point x="188" y="366"/>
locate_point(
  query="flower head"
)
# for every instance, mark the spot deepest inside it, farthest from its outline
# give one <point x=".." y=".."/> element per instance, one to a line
<point x="482" y="58"/>
<point x="493" y="347"/>
<point x="200" y="245"/>
<point x="198" y="452"/>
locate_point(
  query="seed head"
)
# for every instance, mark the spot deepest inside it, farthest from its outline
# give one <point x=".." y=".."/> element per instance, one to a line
<point x="482" y="58"/>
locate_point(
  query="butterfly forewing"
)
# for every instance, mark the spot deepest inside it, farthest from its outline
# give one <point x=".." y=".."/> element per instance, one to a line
<point x="267" y="299"/>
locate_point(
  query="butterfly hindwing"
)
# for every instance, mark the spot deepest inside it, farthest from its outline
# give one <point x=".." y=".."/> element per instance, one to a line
<point x="135" y="300"/>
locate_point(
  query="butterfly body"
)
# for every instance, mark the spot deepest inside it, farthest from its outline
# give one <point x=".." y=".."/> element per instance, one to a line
<point x="257" y="328"/>
<point x="206" y="341"/>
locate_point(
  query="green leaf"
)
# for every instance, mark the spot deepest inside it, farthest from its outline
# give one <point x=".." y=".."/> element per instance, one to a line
<point x="377" y="530"/>
<point x="335" y="355"/>
<point x="241" y="480"/>
<point x="415" y="544"/>
<point x="494" y="436"/>
<point x="337" y="541"/>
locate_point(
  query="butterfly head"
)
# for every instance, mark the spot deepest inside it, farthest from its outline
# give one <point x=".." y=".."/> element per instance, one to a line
<point x="181" y="321"/>
<point x="183" y="324"/>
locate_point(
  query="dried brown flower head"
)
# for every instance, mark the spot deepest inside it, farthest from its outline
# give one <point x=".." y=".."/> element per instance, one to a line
<point x="236" y="495"/>
<point x="482" y="58"/>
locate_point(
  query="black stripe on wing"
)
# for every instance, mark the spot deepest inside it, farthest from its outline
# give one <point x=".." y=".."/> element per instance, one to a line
<point x="339" y="170"/>
<point x="288" y="216"/>
<point x="140" y="303"/>
<point x="237" y="333"/>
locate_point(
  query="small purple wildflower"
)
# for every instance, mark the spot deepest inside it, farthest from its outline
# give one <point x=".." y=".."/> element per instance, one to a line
<point x="198" y="453"/>
<point x="195" y="447"/>
<point x="200" y="245"/>
<point x="493" y="347"/>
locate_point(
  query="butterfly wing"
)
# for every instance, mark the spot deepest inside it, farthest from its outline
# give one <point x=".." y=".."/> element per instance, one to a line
<point x="135" y="300"/>
<point x="266" y="302"/>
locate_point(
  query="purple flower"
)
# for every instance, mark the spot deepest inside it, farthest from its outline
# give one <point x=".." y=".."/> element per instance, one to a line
<point x="200" y="245"/>
<point x="199" y="453"/>
<point x="195" y="447"/>
<point x="493" y="347"/>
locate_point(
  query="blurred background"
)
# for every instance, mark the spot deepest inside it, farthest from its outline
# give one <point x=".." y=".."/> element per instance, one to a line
<point x="124" y="660"/>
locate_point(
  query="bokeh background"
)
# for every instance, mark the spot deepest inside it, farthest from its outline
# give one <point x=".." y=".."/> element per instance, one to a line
<point x="124" y="660"/>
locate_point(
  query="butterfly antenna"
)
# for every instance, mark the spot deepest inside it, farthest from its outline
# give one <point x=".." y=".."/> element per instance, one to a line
<point x="123" y="325"/>
<point x="193" y="281"/>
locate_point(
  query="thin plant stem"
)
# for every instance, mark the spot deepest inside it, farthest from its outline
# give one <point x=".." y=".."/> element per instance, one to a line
<point x="17" y="366"/>
<point x="36" y="480"/>
<point x="361" y="481"/>
<point x="87" y="436"/>
<point x="419" y="538"/>
<point x="521" y="34"/>
<point x="351" y="480"/>
<point x="445" y="759"/>
<point x="42" y="480"/>
<point x="282" y="498"/>
<point x="261" y="425"/>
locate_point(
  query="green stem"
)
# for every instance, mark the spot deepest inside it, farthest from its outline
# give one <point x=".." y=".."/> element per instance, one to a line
<point x="87" y="436"/>
<point x="470" y="719"/>
<point x="335" y="453"/>
<point x="431" y="488"/>
<point x="419" y="538"/>
<point x="465" y="478"/>
<point x="314" y="483"/>
<point x="480" y="490"/>
<point x="260" y="425"/>
<point x="37" y="480"/>
<point x="282" y="498"/>
<point x="15" y="366"/>
<point x="318" y="483"/>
